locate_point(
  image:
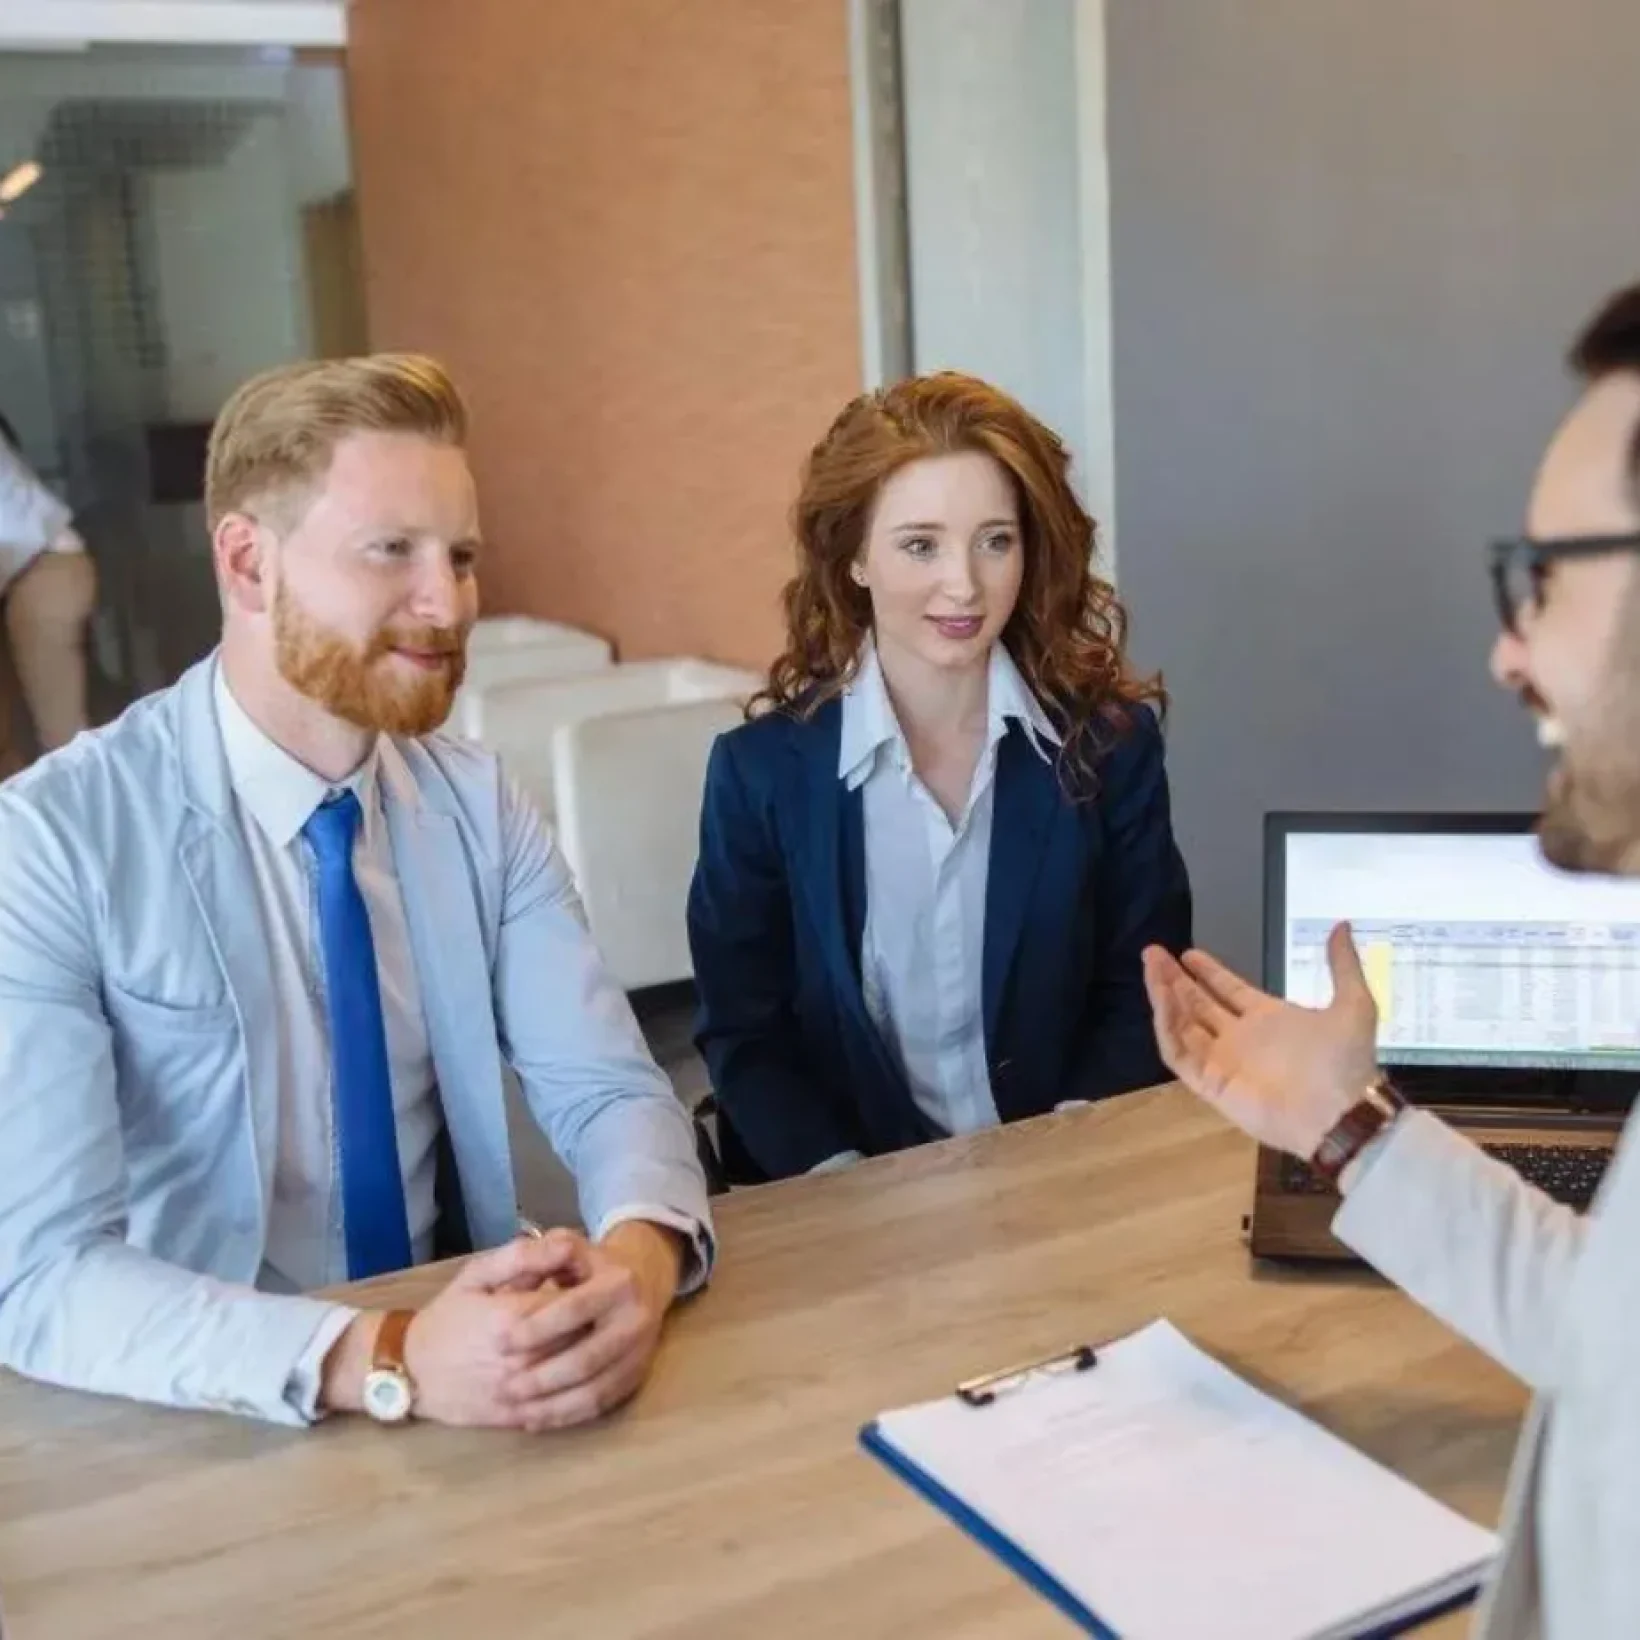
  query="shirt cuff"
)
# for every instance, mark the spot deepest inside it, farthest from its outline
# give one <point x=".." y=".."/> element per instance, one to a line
<point x="1361" y="1163"/>
<point x="701" y="1252"/>
<point x="307" y="1376"/>
<point x="836" y="1164"/>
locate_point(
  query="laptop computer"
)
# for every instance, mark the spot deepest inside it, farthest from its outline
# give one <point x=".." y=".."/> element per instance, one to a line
<point x="1508" y="992"/>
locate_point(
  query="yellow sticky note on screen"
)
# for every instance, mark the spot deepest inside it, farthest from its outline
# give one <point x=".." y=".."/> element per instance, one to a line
<point x="1378" y="959"/>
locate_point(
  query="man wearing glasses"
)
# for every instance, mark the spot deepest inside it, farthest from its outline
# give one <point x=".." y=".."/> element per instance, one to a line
<point x="1554" y="1297"/>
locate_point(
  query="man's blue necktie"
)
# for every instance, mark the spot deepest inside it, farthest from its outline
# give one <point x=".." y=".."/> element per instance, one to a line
<point x="373" y="1211"/>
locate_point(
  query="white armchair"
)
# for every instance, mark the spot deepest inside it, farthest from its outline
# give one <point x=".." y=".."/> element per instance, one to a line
<point x="629" y="791"/>
<point x="514" y="648"/>
<point x="617" y="761"/>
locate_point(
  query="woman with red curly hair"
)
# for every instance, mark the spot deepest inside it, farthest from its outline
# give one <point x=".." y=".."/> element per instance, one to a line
<point x="931" y="858"/>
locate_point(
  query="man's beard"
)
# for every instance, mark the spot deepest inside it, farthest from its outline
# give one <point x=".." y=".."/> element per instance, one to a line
<point x="1591" y="821"/>
<point x="1591" y="815"/>
<point x="365" y="686"/>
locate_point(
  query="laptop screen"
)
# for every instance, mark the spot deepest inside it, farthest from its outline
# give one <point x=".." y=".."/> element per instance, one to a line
<point x="1479" y="953"/>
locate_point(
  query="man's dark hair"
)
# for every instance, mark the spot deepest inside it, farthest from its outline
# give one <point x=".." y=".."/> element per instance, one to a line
<point x="8" y="434"/>
<point x="1610" y="346"/>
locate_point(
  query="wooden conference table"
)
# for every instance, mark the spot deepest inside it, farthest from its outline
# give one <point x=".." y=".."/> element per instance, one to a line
<point x="730" y="1498"/>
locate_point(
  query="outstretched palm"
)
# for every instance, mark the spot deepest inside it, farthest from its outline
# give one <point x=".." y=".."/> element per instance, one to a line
<point x="1282" y="1073"/>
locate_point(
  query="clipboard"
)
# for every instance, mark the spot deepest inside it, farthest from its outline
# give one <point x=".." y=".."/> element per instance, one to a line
<point x="1398" y="1602"/>
<point x="977" y="1394"/>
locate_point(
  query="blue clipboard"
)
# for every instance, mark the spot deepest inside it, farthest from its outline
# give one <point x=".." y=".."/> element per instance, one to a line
<point x="985" y="1534"/>
<point x="979" y="1393"/>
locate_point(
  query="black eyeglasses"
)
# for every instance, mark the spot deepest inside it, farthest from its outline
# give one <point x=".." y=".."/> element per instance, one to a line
<point x="1520" y="566"/>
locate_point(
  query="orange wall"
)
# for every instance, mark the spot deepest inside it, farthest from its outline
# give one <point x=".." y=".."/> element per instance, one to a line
<point x="627" y="226"/>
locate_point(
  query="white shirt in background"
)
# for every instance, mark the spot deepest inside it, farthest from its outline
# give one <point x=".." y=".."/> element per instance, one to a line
<point x="32" y="519"/>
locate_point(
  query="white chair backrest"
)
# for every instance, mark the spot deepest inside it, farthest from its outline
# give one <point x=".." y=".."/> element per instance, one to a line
<point x="517" y="719"/>
<point x="494" y="634"/>
<point x="514" y="648"/>
<point x="503" y="714"/>
<point x="629" y="793"/>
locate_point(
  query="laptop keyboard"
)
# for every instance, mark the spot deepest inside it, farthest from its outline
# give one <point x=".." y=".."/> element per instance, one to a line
<point x="1569" y="1173"/>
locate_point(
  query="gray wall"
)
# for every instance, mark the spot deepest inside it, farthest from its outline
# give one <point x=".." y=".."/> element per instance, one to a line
<point x="1350" y="241"/>
<point x="993" y="195"/>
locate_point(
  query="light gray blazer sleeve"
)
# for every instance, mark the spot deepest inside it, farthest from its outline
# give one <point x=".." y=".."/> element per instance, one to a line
<point x="568" y="1031"/>
<point x="1473" y="1243"/>
<point x="78" y="1306"/>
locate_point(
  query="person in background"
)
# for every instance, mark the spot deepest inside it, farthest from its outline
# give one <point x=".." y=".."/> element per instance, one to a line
<point x="930" y="860"/>
<point x="1552" y="1296"/>
<point x="48" y="588"/>
<point x="266" y="943"/>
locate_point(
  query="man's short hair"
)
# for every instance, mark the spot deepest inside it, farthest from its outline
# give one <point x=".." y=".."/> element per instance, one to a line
<point x="275" y="437"/>
<point x="1608" y="346"/>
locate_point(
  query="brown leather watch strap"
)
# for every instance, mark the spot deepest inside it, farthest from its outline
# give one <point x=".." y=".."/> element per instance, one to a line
<point x="389" y="1356"/>
<point x="1355" y="1129"/>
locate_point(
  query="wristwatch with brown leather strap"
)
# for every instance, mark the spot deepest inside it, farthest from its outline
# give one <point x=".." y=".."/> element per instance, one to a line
<point x="389" y="1390"/>
<point x="1377" y="1107"/>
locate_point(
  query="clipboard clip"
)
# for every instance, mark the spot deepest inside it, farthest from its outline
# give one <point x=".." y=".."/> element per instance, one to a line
<point x="981" y="1392"/>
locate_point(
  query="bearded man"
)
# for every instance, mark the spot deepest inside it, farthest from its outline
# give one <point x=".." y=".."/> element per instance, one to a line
<point x="266" y="944"/>
<point x="1554" y="1297"/>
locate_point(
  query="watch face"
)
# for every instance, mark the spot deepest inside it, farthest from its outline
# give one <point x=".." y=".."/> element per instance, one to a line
<point x="387" y="1396"/>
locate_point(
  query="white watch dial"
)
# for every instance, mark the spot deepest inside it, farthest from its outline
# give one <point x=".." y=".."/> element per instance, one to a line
<point x="387" y="1396"/>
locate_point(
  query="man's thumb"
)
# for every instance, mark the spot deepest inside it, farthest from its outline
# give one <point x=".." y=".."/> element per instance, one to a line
<point x="1350" y="988"/>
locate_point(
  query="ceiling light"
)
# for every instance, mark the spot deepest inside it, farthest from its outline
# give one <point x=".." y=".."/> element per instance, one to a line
<point x="18" y="182"/>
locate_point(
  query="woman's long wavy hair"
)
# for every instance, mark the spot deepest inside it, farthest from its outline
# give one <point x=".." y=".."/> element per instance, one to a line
<point x="1068" y="631"/>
